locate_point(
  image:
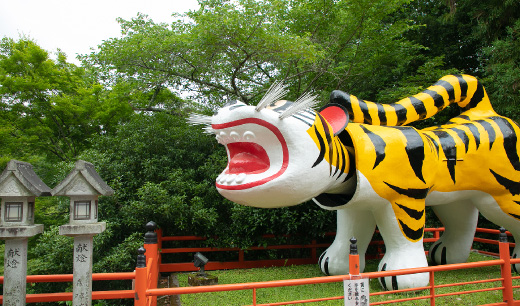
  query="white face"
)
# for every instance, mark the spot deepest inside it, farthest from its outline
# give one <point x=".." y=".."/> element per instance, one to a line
<point x="270" y="160"/>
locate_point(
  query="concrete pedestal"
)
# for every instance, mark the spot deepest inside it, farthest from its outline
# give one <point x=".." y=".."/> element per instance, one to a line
<point x="197" y="279"/>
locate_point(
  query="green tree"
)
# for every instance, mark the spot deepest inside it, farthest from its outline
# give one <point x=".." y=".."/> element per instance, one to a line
<point x="236" y="49"/>
<point x="50" y="108"/>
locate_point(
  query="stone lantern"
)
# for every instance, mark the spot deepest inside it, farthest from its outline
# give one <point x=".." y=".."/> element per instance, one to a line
<point x="19" y="187"/>
<point x="83" y="186"/>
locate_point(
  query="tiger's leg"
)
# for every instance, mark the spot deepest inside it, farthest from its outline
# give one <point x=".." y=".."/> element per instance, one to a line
<point x="351" y="223"/>
<point x="460" y="221"/>
<point x="493" y="211"/>
<point x="401" y="252"/>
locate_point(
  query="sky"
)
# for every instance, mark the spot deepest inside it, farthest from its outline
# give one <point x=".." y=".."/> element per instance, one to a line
<point x="76" y="26"/>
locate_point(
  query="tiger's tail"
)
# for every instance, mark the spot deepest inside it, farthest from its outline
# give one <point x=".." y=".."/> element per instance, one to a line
<point x="465" y="90"/>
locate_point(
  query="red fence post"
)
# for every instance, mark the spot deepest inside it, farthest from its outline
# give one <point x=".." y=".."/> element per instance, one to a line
<point x="432" y="289"/>
<point x="159" y="246"/>
<point x="152" y="252"/>
<point x="141" y="279"/>
<point x="507" y="292"/>
<point x="353" y="258"/>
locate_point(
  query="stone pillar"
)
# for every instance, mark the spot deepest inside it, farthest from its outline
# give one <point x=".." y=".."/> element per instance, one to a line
<point x="15" y="262"/>
<point x="15" y="271"/>
<point x="82" y="287"/>
<point x="82" y="270"/>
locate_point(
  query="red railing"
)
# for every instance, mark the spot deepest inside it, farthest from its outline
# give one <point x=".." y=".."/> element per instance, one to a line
<point x="145" y="276"/>
<point x="504" y="262"/>
<point x="314" y="246"/>
<point x="67" y="296"/>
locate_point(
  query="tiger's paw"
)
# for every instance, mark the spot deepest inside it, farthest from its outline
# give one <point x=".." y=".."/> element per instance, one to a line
<point x="442" y="253"/>
<point x="334" y="262"/>
<point x="403" y="261"/>
<point x="515" y="267"/>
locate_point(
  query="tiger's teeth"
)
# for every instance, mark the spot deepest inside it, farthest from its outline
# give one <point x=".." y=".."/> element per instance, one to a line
<point x="231" y="179"/>
<point x="240" y="178"/>
<point x="234" y="136"/>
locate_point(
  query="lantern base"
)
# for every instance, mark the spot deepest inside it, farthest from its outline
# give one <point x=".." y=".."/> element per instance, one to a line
<point x="73" y="230"/>
<point x="13" y="232"/>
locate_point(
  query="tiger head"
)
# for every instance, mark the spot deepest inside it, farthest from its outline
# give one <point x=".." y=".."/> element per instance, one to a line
<point x="280" y="153"/>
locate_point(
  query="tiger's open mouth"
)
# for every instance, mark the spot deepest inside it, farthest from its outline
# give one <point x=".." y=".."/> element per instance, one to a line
<point x="249" y="163"/>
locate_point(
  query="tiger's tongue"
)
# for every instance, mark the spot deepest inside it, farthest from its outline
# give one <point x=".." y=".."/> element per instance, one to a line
<point x="247" y="157"/>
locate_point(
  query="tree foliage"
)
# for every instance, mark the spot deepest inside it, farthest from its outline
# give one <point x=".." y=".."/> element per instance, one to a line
<point x="236" y="49"/>
<point x="50" y="107"/>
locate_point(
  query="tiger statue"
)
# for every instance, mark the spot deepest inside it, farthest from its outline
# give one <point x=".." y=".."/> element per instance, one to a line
<point x="374" y="171"/>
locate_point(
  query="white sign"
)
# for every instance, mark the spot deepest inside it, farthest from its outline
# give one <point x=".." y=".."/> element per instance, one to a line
<point x="356" y="292"/>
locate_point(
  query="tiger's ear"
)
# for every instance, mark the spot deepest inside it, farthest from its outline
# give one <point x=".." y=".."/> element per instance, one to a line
<point x="336" y="115"/>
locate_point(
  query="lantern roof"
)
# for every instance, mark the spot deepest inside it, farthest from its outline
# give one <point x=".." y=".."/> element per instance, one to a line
<point x="18" y="173"/>
<point x="82" y="180"/>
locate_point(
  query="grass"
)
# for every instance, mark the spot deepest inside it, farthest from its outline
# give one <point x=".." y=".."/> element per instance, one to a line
<point x="271" y="295"/>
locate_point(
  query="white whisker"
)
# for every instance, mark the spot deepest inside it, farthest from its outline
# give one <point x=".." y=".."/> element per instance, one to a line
<point x="208" y="130"/>
<point x="196" y="119"/>
<point x="277" y="91"/>
<point x="306" y="101"/>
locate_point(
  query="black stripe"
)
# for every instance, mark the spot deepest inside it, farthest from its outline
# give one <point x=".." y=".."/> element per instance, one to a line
<point x="449" y="149"/>
<point x="382" y="279"/>
<point x="490" y="130"/>
<point x="510" y="140"/>
<point x="416" y="214"/>
<point x="512" y="186"/>
<point x="414" y="149"/>
<point x="307" y="114"/>
<point x="343" y="160"/>
<point x="400" y="111"/>
<point x="433" y="142"/>
<point x="514" y="216"/>
<point x="364" y="109"/>
<point x="379" y="145"/>
<point x="419" y="107"/>
<point x="437" y="99"/>
<point x="462" y="135"/>
<point x="345" y="139"/>
<point x="474" y="130"/>
<point x="463" y="87"/>
<point x="476" y="98"/>
<point x="394" y="283"/>
<point x="322" y="148"/>
<point x="432" y="253"/>
<point x="352" y="166"/>
<point x="336" y="145"/>
<point x="342" y="98"/>
<point x="321" y="258"/>
<point x="303" y="120"/>
<point x="449" y="89"/>
<point x="413" y="193"/>
<point x="465" y="117"/>
<point x="333" y="200"/>
<point x="329" y="140"/>
<point x="410" y="233"/>
<point x="443" y="256"/>
<point x="382" y="114"/>
<point x="326" y="266"/>
<point x="280" y="108"/>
